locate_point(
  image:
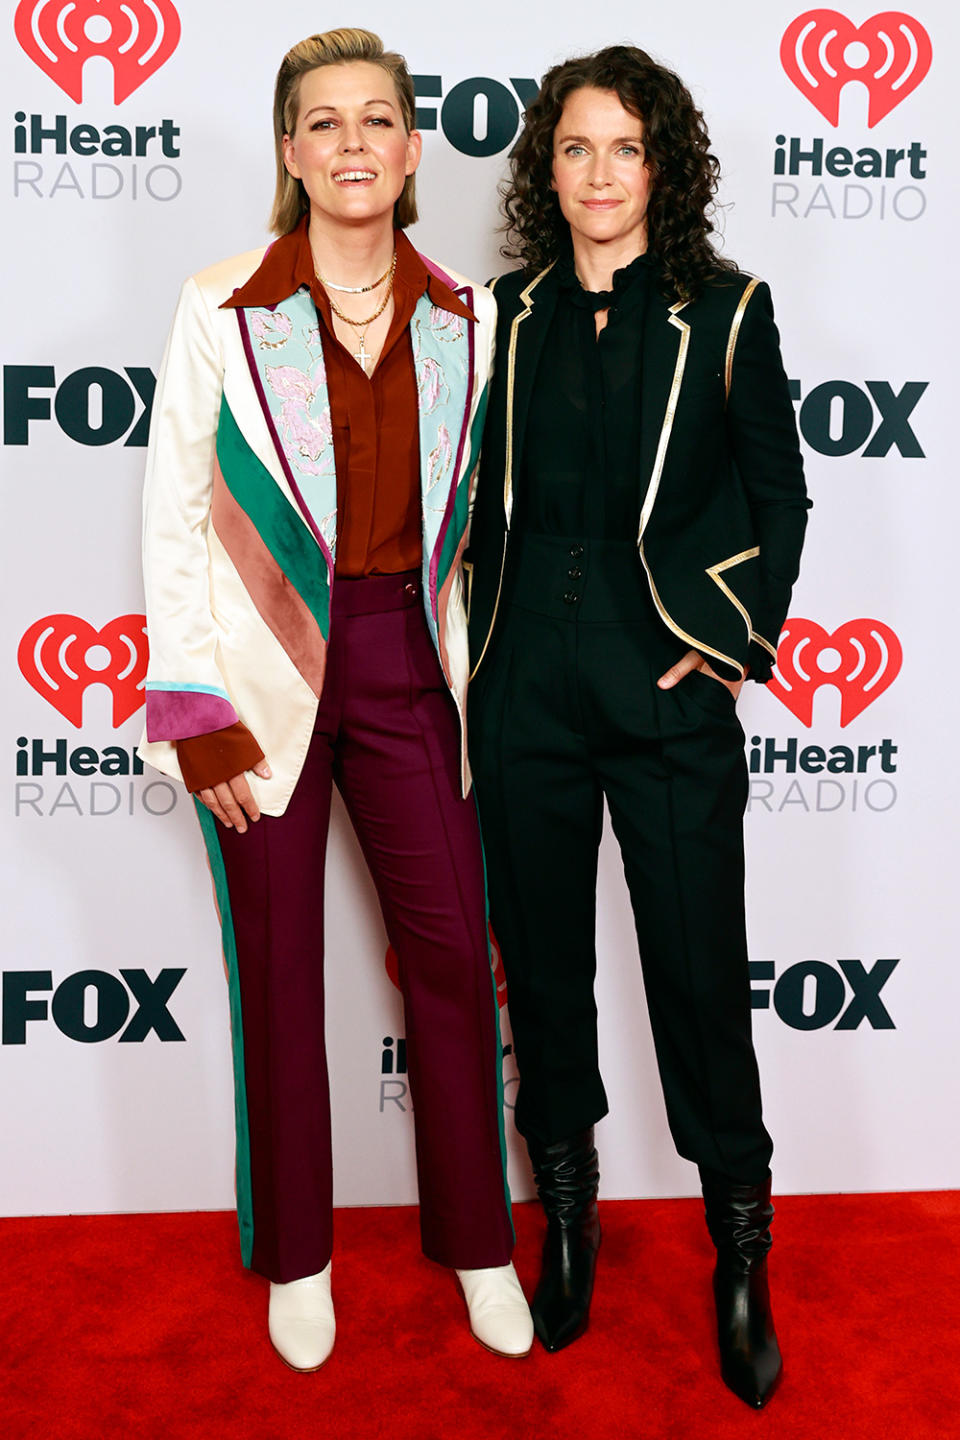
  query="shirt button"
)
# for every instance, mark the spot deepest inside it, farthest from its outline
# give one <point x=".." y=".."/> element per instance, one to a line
<point x="410" y="590"/>
<point x="576" y="551"/>
<point x="575" y="572"/>
<point x="570" y="598"/>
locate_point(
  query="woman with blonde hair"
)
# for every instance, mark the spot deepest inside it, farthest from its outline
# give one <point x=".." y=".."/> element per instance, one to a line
<point x="309" y="481"/>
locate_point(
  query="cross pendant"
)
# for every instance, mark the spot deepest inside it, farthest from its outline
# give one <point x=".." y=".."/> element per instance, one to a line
<point x="363" y="355"/>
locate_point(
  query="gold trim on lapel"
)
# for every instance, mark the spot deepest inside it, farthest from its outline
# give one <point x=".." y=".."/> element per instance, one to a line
<point x="527" y="302"/>
<point x="735" y="324"/>
<point x="667" y="426"/>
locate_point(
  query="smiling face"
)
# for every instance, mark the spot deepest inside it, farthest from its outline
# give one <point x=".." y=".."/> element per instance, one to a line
<point x="350" y="147"/>
<point x="600" y="172"/>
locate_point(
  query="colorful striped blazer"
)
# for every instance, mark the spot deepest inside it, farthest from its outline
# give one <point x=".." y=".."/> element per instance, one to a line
<point x="240" y="513"/>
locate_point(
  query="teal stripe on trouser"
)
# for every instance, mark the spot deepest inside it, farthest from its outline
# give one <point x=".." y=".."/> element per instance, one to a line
<point x="496" y="1006"/>
<point x="244" y="1190"/>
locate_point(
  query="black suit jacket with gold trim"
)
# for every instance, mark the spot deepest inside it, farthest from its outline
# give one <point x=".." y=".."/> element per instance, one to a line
<point x="723" y="501"/>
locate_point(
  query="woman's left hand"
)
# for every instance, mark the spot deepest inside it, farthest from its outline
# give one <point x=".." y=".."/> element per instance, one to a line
<point x="693" y="660"/>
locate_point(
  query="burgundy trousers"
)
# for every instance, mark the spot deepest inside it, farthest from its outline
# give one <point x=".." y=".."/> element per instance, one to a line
<point x="387" y="734"/>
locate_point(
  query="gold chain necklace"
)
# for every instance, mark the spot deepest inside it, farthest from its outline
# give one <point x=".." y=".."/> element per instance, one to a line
<point x="355" y="289"/>
<point x="363" y="355"/>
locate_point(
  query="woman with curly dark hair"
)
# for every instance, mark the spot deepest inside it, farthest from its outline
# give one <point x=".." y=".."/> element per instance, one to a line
<point x="637" y="532"/>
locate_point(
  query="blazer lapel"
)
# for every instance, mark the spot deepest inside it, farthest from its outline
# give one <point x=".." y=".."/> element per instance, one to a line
<point x="284" y="354"/>
<point x="444" y="361"/>
<point x="528" y="331"/>
<point x="271" y="512"/>
<point x="666" y="340"/>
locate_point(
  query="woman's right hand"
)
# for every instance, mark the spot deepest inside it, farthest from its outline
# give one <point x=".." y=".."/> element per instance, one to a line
<point x="693" y="660"/>
<point x="231" y="798"/>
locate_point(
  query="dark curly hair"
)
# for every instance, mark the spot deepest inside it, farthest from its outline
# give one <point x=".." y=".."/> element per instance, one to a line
<point x="684" y="173"/>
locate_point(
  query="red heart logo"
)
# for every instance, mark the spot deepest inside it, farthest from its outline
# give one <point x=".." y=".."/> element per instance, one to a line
<point x="822" y="51"/>
<point x="136" y="36"/>
<point x="861" y="660"/>
<point x="56" y="657"/>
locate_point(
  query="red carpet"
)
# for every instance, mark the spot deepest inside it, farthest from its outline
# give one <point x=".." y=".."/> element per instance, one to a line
<point x="145" y="1326"/>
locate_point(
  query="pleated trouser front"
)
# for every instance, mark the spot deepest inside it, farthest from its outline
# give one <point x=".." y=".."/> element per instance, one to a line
<point x="565" y="712"/>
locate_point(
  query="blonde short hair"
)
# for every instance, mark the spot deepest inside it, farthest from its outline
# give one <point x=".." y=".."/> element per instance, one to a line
<point x="333" y="47"/>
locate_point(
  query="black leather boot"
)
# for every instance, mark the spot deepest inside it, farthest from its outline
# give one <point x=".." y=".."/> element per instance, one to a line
<point x="738" y="1218"/>
<point x="567" y="1175"/>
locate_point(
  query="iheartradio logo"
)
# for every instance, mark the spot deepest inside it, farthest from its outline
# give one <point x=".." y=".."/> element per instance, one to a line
<point x="861" y="659"/>
<point x="61" y="655"/>
<point x="135" y="36"/>
<point x="822" y="51"/>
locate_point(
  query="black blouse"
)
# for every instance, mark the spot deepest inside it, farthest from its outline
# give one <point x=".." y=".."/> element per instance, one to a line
<point x="580" y="472"/>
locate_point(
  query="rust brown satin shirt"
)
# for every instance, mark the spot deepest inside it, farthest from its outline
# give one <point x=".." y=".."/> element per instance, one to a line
<point x="376" y="444"/>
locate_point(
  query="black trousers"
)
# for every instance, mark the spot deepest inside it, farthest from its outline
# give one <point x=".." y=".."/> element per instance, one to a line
<point x="565" y="712"/>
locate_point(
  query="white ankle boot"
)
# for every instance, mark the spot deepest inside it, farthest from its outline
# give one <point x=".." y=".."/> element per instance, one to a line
<point x="499" y="1314"/>
<point x="302" y="1327"/>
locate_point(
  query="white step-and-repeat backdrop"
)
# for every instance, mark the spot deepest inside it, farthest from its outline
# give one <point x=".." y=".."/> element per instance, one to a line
<point x="138" y="150"/>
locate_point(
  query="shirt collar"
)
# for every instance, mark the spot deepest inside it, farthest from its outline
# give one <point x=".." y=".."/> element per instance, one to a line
<point x="628" y="283"/>
<point x="288" y="265"/>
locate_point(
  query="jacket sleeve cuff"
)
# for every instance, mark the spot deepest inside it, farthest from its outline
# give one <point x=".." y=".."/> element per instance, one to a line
<point x="180" y="712"/>
<point x="207" y="760"/>
<point x="759" y="662"/>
